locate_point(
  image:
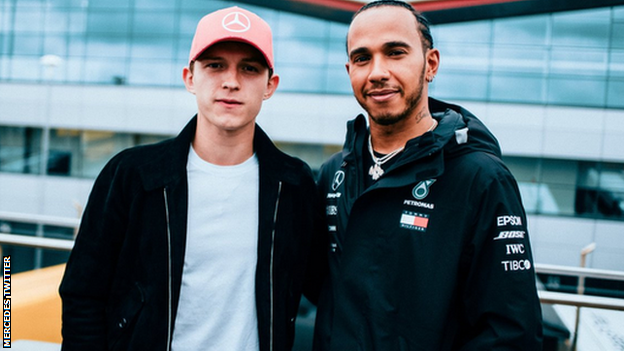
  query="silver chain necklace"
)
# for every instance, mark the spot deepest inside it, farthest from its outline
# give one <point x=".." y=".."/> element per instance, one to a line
<point x="375" y="171"/>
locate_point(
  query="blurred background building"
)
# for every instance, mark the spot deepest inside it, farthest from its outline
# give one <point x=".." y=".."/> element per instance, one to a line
<point x="81" y="80"/>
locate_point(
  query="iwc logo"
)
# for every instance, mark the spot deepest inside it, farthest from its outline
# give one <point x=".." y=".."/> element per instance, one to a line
<point x="421" y="190"/>
<point x="339" y="177"/>
<point x="236" y="22"/>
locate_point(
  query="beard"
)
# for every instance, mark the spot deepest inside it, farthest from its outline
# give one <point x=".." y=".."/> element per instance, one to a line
<point x="411" y="103"/>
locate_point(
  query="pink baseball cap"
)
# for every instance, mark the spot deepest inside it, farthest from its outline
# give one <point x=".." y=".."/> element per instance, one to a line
<point x="233" y="24"/>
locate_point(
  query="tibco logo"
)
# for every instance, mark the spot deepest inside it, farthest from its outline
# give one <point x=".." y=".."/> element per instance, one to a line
<point x="519" y="265"/>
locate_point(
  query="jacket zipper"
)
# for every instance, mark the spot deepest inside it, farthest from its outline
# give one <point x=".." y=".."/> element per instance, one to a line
<point x="169" y="288"/>
<point x="279" y="193"/>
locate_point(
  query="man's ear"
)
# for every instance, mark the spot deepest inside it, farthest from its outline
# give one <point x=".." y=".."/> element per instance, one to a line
<point x="271" y="86"/>
<point x="347" y="67"/>
<point x="433" y="62"/>
<point x="187" y="77"/>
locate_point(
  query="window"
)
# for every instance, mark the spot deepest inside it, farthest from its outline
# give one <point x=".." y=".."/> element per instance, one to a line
<point x="570" y="188"/>
<point x="600" y="191"/>
<point x="20" y="150"/>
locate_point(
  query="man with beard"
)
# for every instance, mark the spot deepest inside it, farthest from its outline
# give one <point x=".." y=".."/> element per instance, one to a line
<point x="428" y="243"/>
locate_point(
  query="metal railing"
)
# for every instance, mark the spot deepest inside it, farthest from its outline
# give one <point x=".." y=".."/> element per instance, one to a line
<point x="38" y="241"/>
<point x="558" y="298"/>
<point x="579" y="299"/>
<point x="40" y="219"/>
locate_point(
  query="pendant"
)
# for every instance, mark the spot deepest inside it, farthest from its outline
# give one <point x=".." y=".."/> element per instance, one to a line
<point x="375" y="171"/>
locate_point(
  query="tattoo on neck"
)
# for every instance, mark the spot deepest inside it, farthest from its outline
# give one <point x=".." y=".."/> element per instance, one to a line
<point x="422" y="114"/>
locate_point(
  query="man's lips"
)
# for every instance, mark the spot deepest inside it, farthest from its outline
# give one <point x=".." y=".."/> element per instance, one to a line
<point x="382" y="95"/>
<point x="229" y="102"/>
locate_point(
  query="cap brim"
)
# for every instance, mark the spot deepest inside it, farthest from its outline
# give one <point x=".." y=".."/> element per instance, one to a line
<point x="236" y="39"/>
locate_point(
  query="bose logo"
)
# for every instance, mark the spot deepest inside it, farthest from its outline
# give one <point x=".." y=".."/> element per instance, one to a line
<point x="514" y="234"/>
<point x="502" y="221"/>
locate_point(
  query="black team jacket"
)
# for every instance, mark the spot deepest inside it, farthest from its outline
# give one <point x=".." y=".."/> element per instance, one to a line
<point x="121" y="287"/>
<point x="435" y="254"/>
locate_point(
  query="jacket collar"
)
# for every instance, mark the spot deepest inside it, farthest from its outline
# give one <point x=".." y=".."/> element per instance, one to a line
<point x="168" y="165"/>
<point x="357" y="132"/>
<point x="274" y="162"/>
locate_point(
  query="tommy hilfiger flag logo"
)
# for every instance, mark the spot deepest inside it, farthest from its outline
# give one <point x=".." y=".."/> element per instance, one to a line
<point x="414" y="221"/>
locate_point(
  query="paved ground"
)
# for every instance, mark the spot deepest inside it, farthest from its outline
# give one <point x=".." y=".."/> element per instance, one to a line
<point x="599" y="330"/>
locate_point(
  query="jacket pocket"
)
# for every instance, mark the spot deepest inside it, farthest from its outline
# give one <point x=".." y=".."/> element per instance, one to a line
<point x="122" y="313"/>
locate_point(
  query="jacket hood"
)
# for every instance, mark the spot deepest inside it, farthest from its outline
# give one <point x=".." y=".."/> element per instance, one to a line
<point x="458" y="132"/>
<point x="465" y="133"/>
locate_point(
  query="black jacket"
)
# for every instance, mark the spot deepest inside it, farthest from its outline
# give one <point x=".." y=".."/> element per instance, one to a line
<point x="435" y="254"/>
<point x="121" y="286"/>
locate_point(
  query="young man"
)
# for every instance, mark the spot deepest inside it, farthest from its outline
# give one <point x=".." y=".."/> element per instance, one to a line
<point x="428" y="237"/>
<point x="199" y="242"/>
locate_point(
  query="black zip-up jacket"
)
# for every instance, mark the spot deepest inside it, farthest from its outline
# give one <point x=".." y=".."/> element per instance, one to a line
<point x="435" y="254"/>
<point x="121" y="286"/>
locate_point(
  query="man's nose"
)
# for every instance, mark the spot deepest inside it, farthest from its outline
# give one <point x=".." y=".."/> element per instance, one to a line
<point x="379" y="70"/>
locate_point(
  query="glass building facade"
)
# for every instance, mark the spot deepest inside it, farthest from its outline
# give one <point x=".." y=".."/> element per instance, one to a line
<point x="570" y="58"/>
<point x="146" y="42"/>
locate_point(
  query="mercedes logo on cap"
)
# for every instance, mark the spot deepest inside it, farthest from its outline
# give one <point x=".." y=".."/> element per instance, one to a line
<point x="236" y="22"/>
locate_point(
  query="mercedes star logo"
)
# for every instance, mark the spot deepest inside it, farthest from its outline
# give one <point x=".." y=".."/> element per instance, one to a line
<point x="339" y="177"/>
<point x="236" y="22"/>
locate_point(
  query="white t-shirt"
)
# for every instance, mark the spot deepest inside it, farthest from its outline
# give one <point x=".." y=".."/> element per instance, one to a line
<point x="217" y="306"/>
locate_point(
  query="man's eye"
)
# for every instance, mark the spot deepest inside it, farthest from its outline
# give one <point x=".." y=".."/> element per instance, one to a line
<point x="214" y="65"/>
<point x="397" y="52"/>
<point x="360" y="59"/>
<point x="251" y="69"/>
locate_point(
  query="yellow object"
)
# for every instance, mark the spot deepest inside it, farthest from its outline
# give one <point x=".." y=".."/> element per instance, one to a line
<point x="36" y="304"/>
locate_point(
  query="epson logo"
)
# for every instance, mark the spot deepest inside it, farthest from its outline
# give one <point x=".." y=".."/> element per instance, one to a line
<point x="502" y="221"/>
<point x="514" y="234"/>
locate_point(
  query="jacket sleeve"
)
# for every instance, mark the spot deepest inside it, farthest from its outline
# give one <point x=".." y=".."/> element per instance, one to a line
<point x="499" y="295"/>
<point x="86" y="283"/>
